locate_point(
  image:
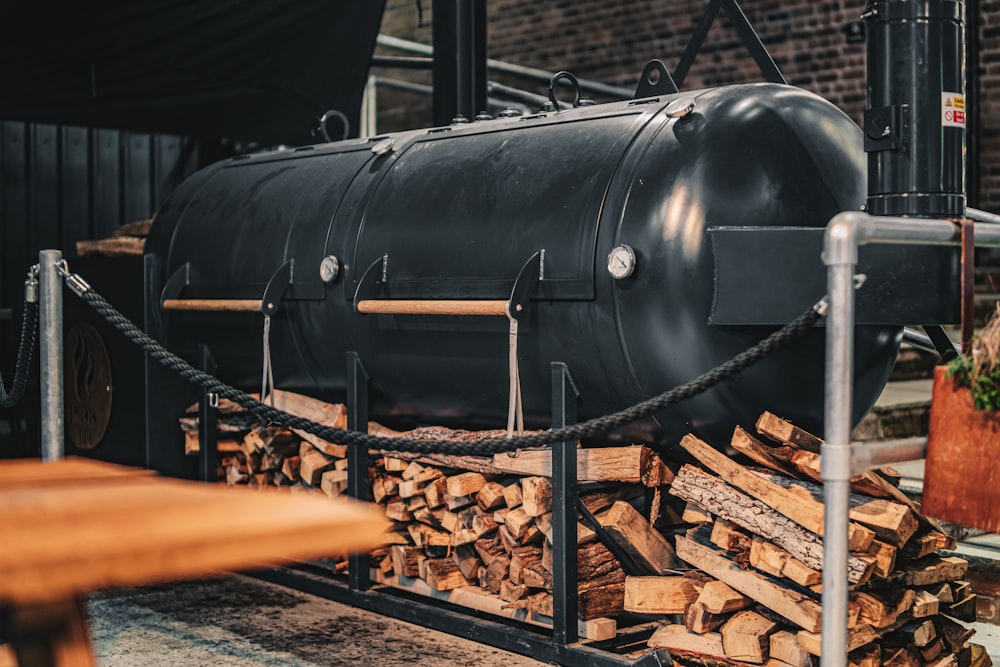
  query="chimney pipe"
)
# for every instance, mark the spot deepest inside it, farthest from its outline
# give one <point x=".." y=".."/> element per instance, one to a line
<point x="916" y="116"/>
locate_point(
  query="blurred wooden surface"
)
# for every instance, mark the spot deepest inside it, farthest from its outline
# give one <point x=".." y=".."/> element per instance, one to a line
<point x="75" y="526"/>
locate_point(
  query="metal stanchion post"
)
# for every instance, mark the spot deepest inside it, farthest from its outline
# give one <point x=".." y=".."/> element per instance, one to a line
<point x="50" y="321"/>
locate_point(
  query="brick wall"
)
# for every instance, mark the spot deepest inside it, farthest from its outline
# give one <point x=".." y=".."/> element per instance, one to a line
<point x="611" y="41"/>
<point x="989" y="105"/>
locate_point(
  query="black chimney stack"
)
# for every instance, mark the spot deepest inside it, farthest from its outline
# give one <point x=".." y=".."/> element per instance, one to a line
<point x="916" y="116"/>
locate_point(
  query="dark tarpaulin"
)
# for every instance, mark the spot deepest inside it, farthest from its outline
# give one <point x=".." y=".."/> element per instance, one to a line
<point x="255" y="70"/>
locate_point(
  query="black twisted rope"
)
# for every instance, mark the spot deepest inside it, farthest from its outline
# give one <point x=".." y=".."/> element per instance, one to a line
<point x="593" y="427"/>
<point x="25" y="353"/>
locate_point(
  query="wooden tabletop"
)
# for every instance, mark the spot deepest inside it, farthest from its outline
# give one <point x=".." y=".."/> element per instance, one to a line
<point x="75" y="526"/>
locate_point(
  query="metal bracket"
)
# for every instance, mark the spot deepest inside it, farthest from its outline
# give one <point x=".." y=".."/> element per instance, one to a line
<point x="276" y="288"/>
<point x="524" y="286"/>
<point x="371" y="280"/>
<point x="176" y="283"/>
<point x="655" y="80"/>
<point x="887" y="128"/>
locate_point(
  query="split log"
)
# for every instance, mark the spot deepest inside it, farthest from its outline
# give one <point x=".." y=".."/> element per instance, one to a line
<point x="444" y="575"/>
<point x="892" y="522"/>
<point x="746" y="636"/>
<point x="723" y="500"/>
<point x="792" y="605"/>
<point x="924" y="605"/>
<point x="694" y="514"/>
<point x="779" y="430"/>
<point x="704" y="649"/>
<point x="634" y="464"/>
<point x="860" y="635"/>
<point x="866" y="656"/>
<point x="632" y="532"/>
<point x="659" y="595"/>
<point x="490" y="497"/>
<point x="719" y="598"/>
<point x="465" y="484"/>
<point x="903" y="657"/>
<point x="932" y="570"/>
<point x="784" y="646"/>
<point x="536" y="495"/>
<point x="328" y="414"/>
<point x="405" y="560"/>
<point x="700" y="620"/>
<point x="512" y="495"/>
<point x="313" y="463"/>
<point x="467" y="559"/>
<point x="727" y="537"/>
<point x="955" y="634"/>
<point x="334" y="482"/>
<point x="803" y="511"/>
<point x="595" y="599"/>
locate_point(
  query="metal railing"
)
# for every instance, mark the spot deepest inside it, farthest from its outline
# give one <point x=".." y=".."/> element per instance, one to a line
<point x="841" y="459"/>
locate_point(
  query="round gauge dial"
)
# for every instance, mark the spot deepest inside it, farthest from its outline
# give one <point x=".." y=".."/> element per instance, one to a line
<point x="329" y="268"/>
<point x="621" y="262"/>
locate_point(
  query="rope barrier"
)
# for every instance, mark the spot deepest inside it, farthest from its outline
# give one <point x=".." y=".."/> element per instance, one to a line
<point x="591" y="428"/>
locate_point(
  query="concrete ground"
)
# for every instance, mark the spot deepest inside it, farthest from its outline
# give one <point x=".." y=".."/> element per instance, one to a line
<point x="239" y="621"/>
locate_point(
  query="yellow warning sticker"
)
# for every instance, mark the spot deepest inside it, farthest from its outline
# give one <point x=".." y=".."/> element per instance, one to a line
<point x="952" y="109"/>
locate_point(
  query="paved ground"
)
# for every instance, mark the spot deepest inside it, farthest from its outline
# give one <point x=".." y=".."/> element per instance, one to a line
<point x="239" y="621"/>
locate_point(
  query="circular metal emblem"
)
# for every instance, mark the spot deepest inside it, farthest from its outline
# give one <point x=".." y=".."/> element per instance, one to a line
<point x="621" y="262"/>
<point x="87" y="386"/>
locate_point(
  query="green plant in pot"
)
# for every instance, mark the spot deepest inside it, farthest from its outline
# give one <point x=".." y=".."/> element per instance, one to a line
<point x="962" y="473"/>
<point x="980" y="369"/>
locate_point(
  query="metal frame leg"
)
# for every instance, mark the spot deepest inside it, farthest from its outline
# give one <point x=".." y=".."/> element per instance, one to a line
<point x="50" y="322"/>
<point x="359" y="577"/>
<point x="208" y="423"/>
<point x="565" y="627"/>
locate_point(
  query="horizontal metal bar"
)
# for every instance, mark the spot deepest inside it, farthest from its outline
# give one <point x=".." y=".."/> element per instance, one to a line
<point x="850" y="229"/>
<point x="500" y="95"/>
<point x="428" y="307"/>
<point x="918" y="340"/>
<point x="507" y="68"/>
<point x="402" y="62"/>
<point x="215" y="305"/>
<point x="407" y="86"/>
<point x="502" y="91"/>
<point x="449" y="618"/>
<point x="976" y="215"/>
<point x="865" y="456"/>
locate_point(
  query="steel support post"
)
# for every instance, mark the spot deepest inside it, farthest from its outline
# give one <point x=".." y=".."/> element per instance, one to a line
<point x="50" y="321"/>
<point x="565" y="627"/>
<point x="836" y="453"/>
<point x="208" y="420"/>
<point x="358" y="575"/>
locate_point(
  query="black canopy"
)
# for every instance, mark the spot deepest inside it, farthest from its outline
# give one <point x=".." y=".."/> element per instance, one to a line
<point x="260" y="70"/>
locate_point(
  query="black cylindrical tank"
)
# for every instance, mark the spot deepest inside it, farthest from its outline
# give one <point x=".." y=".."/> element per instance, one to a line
<point x="458" y="211"/>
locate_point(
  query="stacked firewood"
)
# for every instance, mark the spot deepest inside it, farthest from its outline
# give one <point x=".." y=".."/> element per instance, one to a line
<point x="491" y="526"/>
<point x="753" y="593"/>
<point x="259" y="455"/>
<point x="477" y="531"/>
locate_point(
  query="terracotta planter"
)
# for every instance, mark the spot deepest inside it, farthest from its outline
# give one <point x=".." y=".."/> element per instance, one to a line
<point x="962" y="476"/>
